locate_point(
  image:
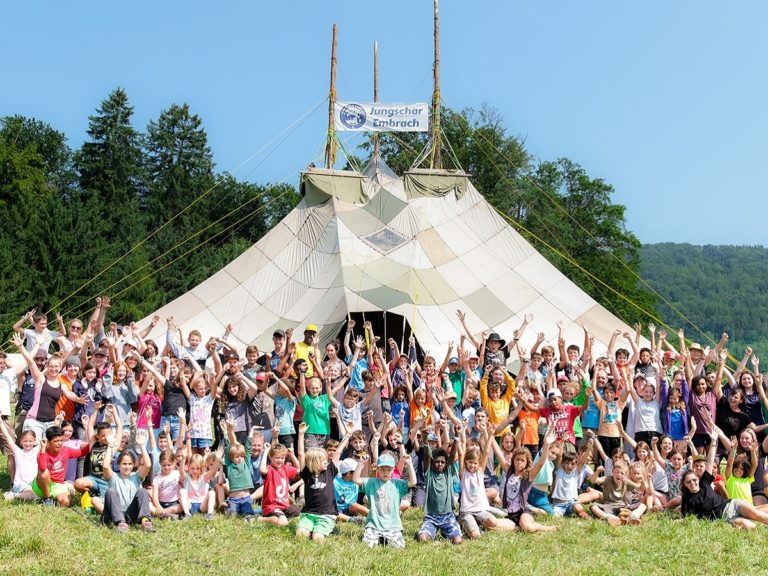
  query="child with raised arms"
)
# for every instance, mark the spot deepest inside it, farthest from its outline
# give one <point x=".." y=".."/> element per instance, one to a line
<point x="238" y="470"/>
<point x="474" y="507"/>
<point x="126" y="501"/>
<point x="276" y="507"/>
<point x="96" y="483"/>
<point x="520" y="470"/>
<point x="318" y="517"/>
<point x="26" y="464"/>
<point x="439" y="475"/>
<point x="383" y="524"/>
<point x="166" y="488"/>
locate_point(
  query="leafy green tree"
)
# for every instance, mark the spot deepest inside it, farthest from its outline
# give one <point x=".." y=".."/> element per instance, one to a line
<point x="51" y="145"/>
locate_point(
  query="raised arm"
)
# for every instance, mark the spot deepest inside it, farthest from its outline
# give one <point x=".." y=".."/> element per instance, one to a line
<point x="29" y="358"/>
<point x="303" y="427"/>
<point x="549" y="439"/>
<point x="463" y="319"/>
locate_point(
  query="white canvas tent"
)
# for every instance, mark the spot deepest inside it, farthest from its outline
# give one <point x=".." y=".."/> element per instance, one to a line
<point x="421" y="246"/>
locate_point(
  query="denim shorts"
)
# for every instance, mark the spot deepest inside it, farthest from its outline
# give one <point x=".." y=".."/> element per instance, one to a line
<point x="540" y="500"/>
<point x="445" y="523"/>
<point x="201" y="443"/>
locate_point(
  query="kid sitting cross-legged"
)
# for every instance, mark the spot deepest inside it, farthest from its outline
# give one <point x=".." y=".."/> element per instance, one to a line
<point x="125" y="499"/>
<point x="518" y="483"/>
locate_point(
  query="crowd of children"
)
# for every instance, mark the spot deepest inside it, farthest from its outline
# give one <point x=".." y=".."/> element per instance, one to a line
<point x="136" y="431"/>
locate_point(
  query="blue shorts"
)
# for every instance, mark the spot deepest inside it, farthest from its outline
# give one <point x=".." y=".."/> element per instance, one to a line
<point x="194" y="507"/>
<point x="98" y="486"/>
<point x="242" y="506"/>
<point x="201" y="443"/>
<point x="540" y="500"/>
<point x="446" y="523"/>
<point x="564" y="508"/>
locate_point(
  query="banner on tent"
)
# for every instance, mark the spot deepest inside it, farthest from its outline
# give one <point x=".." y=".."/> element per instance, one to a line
<point x="378" y="117"/>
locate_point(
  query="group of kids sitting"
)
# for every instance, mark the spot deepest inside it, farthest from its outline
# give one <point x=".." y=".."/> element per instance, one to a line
<point x="141" y="432"/>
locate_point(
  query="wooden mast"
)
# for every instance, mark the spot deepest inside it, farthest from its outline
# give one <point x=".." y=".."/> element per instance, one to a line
<point x="330" y="144"/>
<point x="375" y="96"/>
<point x="435" y="137"/>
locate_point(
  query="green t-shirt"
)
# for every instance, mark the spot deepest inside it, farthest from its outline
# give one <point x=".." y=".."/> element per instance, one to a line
<point x="457" y="381"/>
<point x="239" y="475"/>
<point x="438" y="487"/>
<point x="316" y="413"/>
<point x="384" y="503"/>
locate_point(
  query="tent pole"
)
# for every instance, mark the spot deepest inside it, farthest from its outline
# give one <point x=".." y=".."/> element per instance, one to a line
<point x="385" y="335"/>
<point x="330" y="144"/>
<point x="436" y="143"/>
<point x="376" y="98"/>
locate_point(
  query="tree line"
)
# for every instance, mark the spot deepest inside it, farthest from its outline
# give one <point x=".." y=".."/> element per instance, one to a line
<point x="717" y="288"/>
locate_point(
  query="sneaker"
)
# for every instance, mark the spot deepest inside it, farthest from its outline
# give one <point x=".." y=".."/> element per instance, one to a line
<point x="185" y="517"/>
<point x="209" y="516"/>
<point x="48" y="502"/>
<point x="357" y="519"/>
<point x="146" y="525"/>
<point x="171" y="516"/>
<point x="9" y="496"/>
<point x="121" y="527"/>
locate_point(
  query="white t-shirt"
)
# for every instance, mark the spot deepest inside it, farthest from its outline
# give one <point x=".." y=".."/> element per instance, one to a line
<point x="647" y="416"/>
<point x="567" y="483"/>
<point x="26" y="467"/>
<point x="31" y="338"/>
<point x="473" y="496"/>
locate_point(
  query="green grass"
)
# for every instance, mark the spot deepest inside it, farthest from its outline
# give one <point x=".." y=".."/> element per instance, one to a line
<point x="38" y="540"/>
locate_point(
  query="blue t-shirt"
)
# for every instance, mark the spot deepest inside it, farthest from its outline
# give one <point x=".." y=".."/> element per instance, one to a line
<point x="284" y="410"/>
<point x="345" y="493"/>
<point x="356" y="378"/>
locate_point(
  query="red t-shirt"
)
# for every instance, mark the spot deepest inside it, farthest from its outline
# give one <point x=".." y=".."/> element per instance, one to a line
<point x="57" y="465"/>
<point x="564" y="418"/>
<point x="276" y="488"/>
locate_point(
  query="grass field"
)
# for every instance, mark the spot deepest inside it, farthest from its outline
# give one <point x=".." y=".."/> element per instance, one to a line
<point x="38" y="540"/>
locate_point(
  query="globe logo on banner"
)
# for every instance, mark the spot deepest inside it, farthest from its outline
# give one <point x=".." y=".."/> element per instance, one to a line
<point x="352" y="116"/>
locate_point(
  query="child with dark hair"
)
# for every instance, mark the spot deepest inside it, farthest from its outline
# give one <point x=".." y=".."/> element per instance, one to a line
<point x="96" y="483"/>
<point x="520" y="472"/>
<point x="125" y="500"/>
<point x="439" y="475"/>
<point x="50" y="483"/>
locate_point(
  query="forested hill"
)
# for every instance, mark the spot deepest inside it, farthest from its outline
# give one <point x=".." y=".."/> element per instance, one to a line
<point x="719" y="288"/>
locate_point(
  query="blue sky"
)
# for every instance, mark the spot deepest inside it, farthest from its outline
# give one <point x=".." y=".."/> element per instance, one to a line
<point x="663" y="100"/>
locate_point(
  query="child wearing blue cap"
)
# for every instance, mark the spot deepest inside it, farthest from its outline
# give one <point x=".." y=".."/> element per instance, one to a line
<point x="383" y="524"/>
